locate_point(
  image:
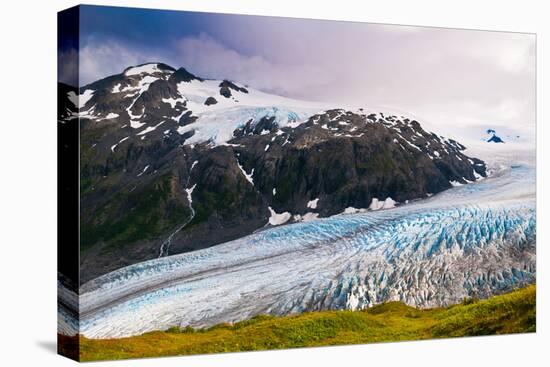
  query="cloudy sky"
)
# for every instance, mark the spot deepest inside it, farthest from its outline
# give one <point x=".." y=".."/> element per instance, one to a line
<point x="452" y="78"/>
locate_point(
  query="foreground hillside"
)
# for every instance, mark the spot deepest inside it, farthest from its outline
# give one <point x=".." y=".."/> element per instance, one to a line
<point x="514" y="312"/>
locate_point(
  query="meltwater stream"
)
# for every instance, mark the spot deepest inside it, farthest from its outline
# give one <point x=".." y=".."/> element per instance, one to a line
<point x="477" y="239"/>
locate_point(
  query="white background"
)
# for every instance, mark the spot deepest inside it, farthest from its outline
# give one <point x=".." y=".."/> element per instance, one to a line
<point x="28" y="183"/>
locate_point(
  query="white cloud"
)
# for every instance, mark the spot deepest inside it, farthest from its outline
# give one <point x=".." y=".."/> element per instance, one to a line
<point x="98" y="60"/>
<point x="68" y="67"/>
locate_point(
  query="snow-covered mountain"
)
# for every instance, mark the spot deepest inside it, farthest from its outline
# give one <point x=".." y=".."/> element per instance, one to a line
<point x="149" y="96"/>
<point x="171" y="163"/>
<point x="267" y="204"/>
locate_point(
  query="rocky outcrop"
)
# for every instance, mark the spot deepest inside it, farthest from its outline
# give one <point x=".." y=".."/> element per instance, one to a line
<point x="226" y="86"/>
<point x="345" y="161"/>
<point x="492" y="137"/>
<point x="210" y="101"/>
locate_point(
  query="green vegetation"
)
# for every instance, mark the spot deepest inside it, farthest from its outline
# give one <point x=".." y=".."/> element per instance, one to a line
<point x="514" y="312"/>
<point x="135" y="216"/>
<point x="224" y="201"/>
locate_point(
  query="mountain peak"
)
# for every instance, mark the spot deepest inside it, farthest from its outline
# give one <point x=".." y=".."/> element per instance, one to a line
<point x="182" y="75"/>
<point x="148" y="68"/>
<point x="492" y="137"/>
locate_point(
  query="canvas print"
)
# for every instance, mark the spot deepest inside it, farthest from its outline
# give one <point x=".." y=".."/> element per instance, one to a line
<point x="234" y="183"/>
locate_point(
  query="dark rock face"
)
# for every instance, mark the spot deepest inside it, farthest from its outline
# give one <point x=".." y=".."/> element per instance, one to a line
<point x="182" y="75"/>
<point x="210" y="101"/>
<point x="226" y="86"/>
<point x="345" y="161"/>
<point x="493" y="138"/>
<point x="187" y="118"/>
<point x="266" y="124"/>
<point x="225" y="91"/>
<point x="138" y="185"/>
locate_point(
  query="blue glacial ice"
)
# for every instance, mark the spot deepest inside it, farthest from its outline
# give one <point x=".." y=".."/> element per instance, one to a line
<point x="472" y="240"/>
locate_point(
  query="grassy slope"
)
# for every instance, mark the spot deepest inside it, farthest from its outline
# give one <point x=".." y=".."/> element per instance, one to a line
<point x="509" y="313"/>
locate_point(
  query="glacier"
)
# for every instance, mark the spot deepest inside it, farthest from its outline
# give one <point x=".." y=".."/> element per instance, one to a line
<point x="473" y="240"/>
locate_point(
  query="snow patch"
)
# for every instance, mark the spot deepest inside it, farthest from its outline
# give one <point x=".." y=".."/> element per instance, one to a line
<point x="352" y="210"/>
<point x="278" y="219"/>
<point x="115" y="145"/>
<point x="144" y="170"/>
<point x="189" y="192"/>
<point x="80" y="100"/>
<point x="386" y="204"/>
<point x="136" y="124"/>
<point x="144" y="69"/>
<point x="313" y="203"/>
<point x="246" y="175"/>
<point x="306" y="217"/>
<point x="148" y="129"/>
<point x="111" y="115"/>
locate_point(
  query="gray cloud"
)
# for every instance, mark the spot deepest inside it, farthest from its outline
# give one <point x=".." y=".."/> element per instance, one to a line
<point x="209" y="58"/>
<point x="449" y="77"/>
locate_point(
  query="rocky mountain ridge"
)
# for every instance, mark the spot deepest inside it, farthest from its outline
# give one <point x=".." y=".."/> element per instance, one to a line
<point x="171" y="163"/>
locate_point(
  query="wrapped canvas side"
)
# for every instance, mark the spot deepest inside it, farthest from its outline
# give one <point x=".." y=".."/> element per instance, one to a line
<point x="68" y="183"/>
